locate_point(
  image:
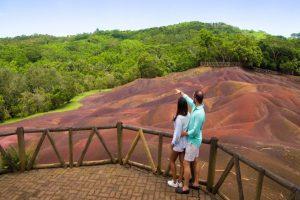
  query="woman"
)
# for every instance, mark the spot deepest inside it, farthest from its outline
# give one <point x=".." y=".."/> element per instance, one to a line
<point x="181" y="120"/>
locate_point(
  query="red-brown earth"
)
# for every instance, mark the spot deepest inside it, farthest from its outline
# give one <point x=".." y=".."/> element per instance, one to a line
<point x="256" y="114"/>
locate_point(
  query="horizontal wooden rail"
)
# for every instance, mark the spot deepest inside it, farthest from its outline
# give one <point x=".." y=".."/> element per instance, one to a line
<point x="7" y="133"/>
<point x="60" y="129"/>
<point x="84" y="163"/>
<point x="220" y="64"/>
<point x="156" y="132"/>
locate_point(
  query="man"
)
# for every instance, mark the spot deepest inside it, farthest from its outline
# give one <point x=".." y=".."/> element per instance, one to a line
<point x="194" y="137"/>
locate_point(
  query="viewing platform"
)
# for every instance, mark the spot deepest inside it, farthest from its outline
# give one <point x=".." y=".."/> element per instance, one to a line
<point x="90" y="182"/>
<point x="122" y="176"/>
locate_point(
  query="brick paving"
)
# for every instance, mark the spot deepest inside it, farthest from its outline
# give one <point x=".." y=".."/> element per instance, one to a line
<point x="93" y="182"/>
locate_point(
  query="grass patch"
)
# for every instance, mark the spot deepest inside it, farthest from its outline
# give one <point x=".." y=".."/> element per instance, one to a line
<point x="11" y="161"/>
<point x="72" y="105"/>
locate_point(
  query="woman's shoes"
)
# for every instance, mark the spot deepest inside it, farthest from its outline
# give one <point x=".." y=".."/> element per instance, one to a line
<point x="174" y="184"/>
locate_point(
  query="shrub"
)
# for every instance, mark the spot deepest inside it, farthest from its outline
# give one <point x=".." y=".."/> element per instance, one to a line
<point x="12" y="161"/>
<point x="291" y="67"/>
<point x="31" y="103"/>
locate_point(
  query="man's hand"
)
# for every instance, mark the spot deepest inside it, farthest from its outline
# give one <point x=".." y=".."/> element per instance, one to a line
<point x="183" y="133"/>
<point x="178" y="91"/>
<point x="172" y="145"/>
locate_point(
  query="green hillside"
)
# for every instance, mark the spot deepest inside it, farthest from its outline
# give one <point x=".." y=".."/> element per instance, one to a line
<point x="39" y="73"/>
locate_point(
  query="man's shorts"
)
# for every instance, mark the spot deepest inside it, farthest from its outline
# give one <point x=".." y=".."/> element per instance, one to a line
<point x="191" y="152"/>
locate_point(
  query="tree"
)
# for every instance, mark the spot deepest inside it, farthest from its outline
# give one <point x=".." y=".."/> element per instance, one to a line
<point x="48" y="79"/>
<point x="276" y="51"/>
<point x="149" y="66"/>
<point x="4" y="114"/>
<point x="33" y="53"/>
<point x="295" y="35"/>
<point x="30" y="103"/>
<point x="291" y="67"/>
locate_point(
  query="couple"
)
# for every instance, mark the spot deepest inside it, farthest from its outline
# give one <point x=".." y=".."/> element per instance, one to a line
<point x="186" y="141"/>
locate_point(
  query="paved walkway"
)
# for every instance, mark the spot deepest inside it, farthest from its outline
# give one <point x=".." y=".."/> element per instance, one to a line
<point x="96" y="182"/>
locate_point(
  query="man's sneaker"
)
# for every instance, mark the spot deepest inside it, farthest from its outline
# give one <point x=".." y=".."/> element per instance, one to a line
<point x="180" y="184"/>
<point x="180" y="190"/>
<point x="172" y="183"/>
<point x="192" y="186"/>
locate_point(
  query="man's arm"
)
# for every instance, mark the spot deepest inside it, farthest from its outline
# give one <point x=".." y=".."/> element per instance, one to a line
<point x="187" y="98"/>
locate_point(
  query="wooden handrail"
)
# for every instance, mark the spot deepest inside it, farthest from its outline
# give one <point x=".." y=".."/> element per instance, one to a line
<point x="7" y="133"/>
<point x="220" y="64"/>
<point x="157" y="132"/>
<point x="60" y="129"/>
<point x="213" y="142"/>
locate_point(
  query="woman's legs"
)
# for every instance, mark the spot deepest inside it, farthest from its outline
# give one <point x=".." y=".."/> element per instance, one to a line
<point x="181" y="157"/>
<point x="173" y="158"/>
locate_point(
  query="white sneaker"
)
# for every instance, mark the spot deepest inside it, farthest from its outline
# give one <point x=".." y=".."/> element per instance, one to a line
<point x="172" y="183"/>
<point x="179" y="184"/>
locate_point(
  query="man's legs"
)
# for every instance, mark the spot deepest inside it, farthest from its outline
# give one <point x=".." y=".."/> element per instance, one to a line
<point x="192" y="171"/>
<point x="196" y="172"/>
<point x="191" y="154"/>
<point x="187" y="175"/>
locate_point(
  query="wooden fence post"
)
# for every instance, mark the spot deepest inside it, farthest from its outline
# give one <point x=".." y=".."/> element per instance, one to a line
<point x="159" y="153"/>
<point x="238" y="177"/>
<point x="294" y="195"/>
<point x="259" y="184"/>
<point x="21" y="148"/>
<point x="70" y="133"/>
<point x="297" y="194"/>
<point x="120" y="141"/>
<point x="212" y="164"/>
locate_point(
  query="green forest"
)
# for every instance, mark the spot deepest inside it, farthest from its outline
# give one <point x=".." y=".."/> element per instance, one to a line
<point x="39" y="73"/>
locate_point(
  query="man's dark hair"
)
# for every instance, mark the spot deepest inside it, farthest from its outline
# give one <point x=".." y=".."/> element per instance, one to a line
<point x="199" y="96"/>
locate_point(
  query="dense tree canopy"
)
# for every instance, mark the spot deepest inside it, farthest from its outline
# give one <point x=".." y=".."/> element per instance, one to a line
<point x="42" y="72"/>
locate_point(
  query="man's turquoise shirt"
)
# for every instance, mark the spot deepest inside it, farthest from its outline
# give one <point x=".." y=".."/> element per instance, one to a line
<point x="196" y="122"/>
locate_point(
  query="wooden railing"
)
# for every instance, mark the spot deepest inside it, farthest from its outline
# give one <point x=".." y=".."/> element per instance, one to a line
<point x="209" y="183"/>
<point x="221" y="64"/>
